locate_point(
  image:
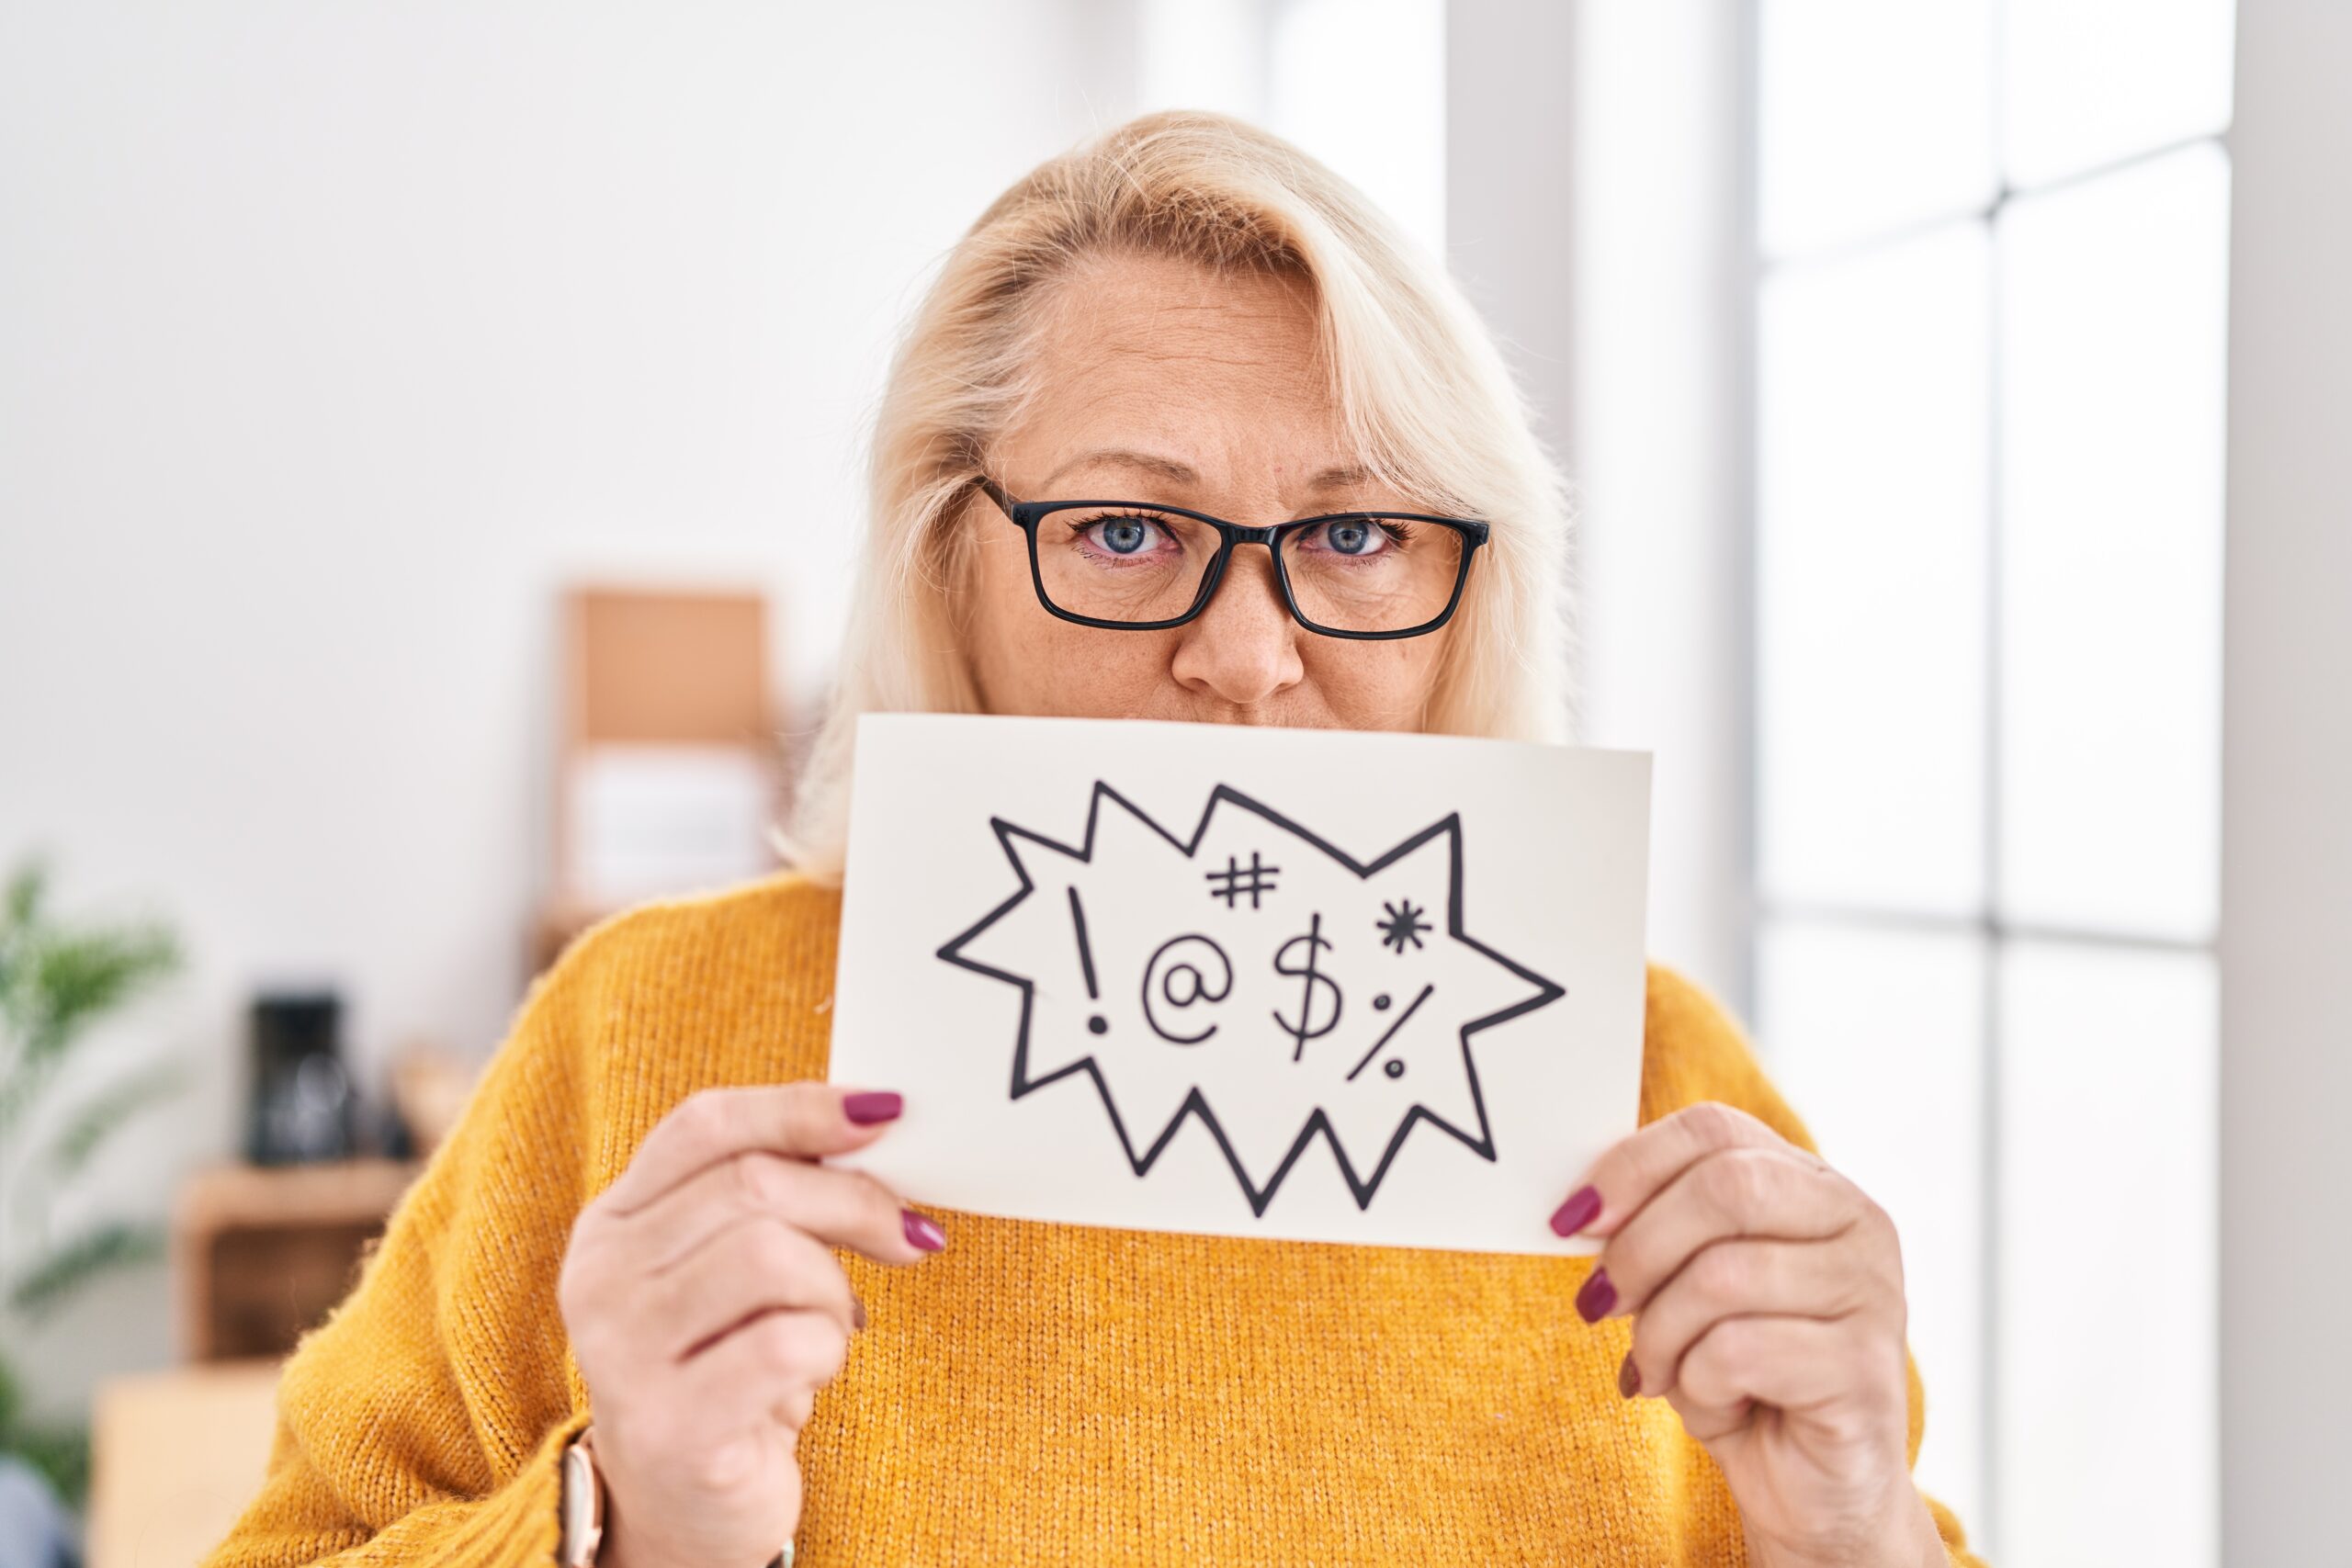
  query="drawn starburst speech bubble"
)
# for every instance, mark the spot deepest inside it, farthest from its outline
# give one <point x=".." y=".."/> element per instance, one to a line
<point x="1254" y="978"/>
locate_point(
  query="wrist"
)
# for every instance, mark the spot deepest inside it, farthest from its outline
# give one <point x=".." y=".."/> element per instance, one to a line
<point x="1901" y="1534"/>
<point x="597" y="1534"/>
<point x="618" y="1557"/>
<point x="624" y="1548"/>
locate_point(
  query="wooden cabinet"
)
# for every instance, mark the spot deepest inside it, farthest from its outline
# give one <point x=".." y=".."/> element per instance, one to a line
<point x="176" y="1456"/>
<point x="260" y="1252"/>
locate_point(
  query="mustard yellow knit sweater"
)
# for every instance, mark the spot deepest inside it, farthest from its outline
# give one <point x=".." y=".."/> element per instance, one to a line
<point x="1038" y="1393"/>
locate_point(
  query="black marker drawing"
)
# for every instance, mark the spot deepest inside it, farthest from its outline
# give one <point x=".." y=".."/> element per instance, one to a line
<point x="1176" y="1014"/>
<point x="1174" y="980"/>
<point x="1396" y="1068"/>
<point x="1303" y="1028"/>
<point x="1403" y="925"/>
<point x="1227" y="884"/>
<point x="1095" y="1023"/>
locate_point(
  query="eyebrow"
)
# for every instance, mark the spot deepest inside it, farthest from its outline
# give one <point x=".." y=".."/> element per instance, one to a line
<point x="1180" y="473"/>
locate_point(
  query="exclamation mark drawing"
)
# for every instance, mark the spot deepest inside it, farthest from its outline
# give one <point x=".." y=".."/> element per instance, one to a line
<point x="1097" y="1024"/>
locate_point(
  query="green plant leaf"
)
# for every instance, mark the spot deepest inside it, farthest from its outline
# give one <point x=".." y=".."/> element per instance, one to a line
<point x="45" y="1287"/>
<point x="19" y="921"/>
<point x="99" y="1119"/>
<point x="76" y="978"/>
<point x="21" y="905"/>
<point x="63" y="1454"/>
<point x="58" y="984"/>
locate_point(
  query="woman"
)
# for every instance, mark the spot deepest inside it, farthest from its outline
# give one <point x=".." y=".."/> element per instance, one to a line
<point x="633" y="1226"/>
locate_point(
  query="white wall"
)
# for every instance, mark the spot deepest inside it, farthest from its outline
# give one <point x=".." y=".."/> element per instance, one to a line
<point x="2286" y="1212"/>
<point x="1595" y="191"/>
<point x="333" y="338"/>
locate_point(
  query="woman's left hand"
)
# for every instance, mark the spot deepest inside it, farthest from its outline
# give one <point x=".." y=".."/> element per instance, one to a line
<point x="1766" y="1296"/>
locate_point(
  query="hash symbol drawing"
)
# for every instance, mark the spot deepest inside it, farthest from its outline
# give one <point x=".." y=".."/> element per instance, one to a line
<point x="1237" y="1018"/>
<point x="1261" y="880"/>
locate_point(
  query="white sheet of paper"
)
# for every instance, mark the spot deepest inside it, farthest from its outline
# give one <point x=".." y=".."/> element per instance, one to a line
<point x="650" y="821"/>
<point x="1317" y="985"/>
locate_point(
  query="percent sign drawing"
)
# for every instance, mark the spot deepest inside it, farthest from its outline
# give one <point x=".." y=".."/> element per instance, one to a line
<point x="1254" y="977"/>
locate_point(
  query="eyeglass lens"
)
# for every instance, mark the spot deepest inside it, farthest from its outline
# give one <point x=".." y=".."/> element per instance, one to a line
<point x="1366" y="572"/>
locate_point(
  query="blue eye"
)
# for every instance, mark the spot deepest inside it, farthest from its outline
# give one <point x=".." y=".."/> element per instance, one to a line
<point x="1121" y="536"/>
<point x="1356" y="536"/>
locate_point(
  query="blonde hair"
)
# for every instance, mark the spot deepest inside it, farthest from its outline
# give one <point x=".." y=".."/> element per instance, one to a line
<point x="1424" y="397"/>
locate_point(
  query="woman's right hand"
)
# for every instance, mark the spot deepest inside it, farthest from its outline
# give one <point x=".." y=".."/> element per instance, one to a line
<point x="706" y="1309"/>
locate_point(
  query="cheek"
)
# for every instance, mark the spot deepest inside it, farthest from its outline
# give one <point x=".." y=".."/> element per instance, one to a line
<point x="1029" y="662"/>
<point x="1376" y="686"/>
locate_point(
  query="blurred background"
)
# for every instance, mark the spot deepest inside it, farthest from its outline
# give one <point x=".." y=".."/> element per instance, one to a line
<point x="429" y="474"/>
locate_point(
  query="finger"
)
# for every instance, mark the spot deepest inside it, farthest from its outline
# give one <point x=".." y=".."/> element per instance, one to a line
<point x="806" y="1120"/>
<point x="768" y="1370"/>
<point x="1629" y="1170"/>
<point x="1746" y="1277"/>
<point x="1801" y="1365"/>
<point x="1746" y="1191"/>
<point x="841" y="1208"/>
<point x="760" y="1265"/>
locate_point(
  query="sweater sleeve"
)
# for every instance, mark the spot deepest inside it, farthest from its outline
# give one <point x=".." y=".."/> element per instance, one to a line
<point x="423" y="1422"/>
<point x="1711" y="1058"/>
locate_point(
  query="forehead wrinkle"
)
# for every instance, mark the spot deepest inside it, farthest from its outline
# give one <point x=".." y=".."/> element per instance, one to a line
<point x="1192" y="381"/>
<point x="1271" y="376"/>
<point x="1337" y="475"/>
<point x="1125" y="458"/>
<point x="1211" y="324"/>
<point x="1167" y="425"/>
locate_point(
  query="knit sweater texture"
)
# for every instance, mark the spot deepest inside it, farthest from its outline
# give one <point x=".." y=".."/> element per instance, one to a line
<point x="1036" y="1393"/>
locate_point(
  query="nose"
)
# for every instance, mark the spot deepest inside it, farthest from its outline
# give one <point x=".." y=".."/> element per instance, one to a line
<point x="1244" y="648"/>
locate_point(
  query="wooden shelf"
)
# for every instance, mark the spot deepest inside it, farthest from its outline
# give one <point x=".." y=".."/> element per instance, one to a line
<point x="262" y="1252"/>
<point x="175" y="1457"/>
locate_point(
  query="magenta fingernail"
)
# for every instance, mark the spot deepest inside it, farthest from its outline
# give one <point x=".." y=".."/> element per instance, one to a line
<point x="921" y="1233"/>
<point x="1596" y="1296"/>
<point x="872" y="1106"/>
<point x="1581" y="1209"/>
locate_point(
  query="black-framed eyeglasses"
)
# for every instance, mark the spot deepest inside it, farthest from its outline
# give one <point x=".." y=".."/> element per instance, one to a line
<point x="1142" y="566"/>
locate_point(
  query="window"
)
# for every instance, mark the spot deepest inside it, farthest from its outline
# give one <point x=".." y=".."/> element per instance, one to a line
<point x="1991" y="284"/>
<point x="1358" y="83"/>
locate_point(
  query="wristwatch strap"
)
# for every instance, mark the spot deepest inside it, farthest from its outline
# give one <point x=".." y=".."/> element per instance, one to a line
<point x="582" y="1508"/>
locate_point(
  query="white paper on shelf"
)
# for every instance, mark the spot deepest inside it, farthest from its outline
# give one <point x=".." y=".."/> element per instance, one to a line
<point x="650" y="821"/>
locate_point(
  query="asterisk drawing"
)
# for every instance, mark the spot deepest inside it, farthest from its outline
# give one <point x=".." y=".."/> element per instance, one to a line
<point x="1401" y="926"/>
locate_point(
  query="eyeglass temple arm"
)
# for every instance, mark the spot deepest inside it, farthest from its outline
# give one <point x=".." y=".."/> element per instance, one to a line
<point x="996" y="493"/>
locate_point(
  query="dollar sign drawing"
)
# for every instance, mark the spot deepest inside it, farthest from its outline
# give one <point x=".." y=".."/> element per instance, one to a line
<point x="1306" y="1029"/>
